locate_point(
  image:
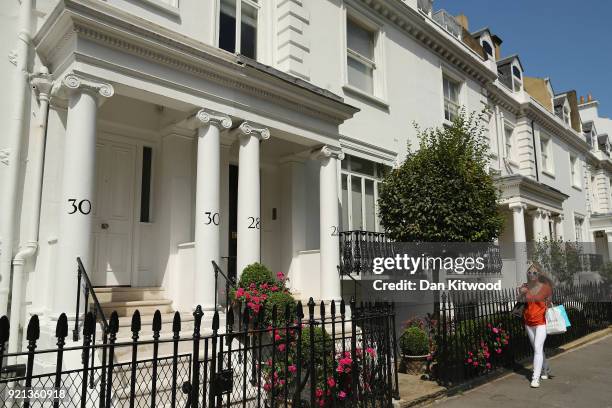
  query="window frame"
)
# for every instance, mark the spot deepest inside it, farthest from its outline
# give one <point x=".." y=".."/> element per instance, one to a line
<point x="453" y="79"/>
<point x="575" y="171"/>
<point x="376" y="179"/>
<point x="546" y="151"/>
<point x="376" y="27"/>
<point x="237" y="44"/>
<point x="510" y="154"/>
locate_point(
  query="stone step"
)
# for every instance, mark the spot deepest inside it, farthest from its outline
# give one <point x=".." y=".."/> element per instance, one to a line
<point x="145" y="307"/>
<point x="120" y="294"/>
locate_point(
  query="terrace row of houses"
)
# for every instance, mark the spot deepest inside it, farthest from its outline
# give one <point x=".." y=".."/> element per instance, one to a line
<point x="150" y="137"/>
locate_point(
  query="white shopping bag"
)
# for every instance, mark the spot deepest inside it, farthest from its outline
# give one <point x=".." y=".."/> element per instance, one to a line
<point x="555" y="323"/>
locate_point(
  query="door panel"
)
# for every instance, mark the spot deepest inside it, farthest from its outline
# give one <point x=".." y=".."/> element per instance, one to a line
<point x="114" y="209"/>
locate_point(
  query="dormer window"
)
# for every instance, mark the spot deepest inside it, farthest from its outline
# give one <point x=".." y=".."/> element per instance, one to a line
<point x="566" y="115"/>
<point x="517" y="81"/>
<point x="488" y="49"/>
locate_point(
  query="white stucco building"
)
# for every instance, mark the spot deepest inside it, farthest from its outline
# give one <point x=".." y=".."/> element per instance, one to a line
<point x="150" y="137"/>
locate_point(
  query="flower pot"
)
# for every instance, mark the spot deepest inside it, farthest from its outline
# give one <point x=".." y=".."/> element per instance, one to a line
<point x="416" y="365"/>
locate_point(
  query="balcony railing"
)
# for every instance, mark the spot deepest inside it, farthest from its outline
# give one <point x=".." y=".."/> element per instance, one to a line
<point x="448" y="22"/>
<point x="359" y="248"/>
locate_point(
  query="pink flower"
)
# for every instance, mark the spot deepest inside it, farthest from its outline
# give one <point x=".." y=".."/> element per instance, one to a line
<point x="277" y="337"/>
<point x="495" y="330"/>
<point x="488" y="365"/>
<point x="371" y="351"/>
<point x="280" y="276"/>
<point x="281" y="347"/>
<point x="475" y="363"/>
<point x="319" y="393"/>
<point x="469" y="360"/>
<point x="239" y="292"/>
<point x="267" y="386"/>
<point x="274" y="288"/>
<point x="331" y="382"/>
<point x="292" y="368"/>
<point x="342" y="395"/>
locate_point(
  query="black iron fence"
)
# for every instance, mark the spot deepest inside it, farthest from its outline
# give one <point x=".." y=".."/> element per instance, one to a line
<point x="476" y="334"/>
<point x="332" y="357"/>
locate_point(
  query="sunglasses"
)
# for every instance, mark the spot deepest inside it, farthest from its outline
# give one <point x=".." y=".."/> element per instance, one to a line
<point x="532" y="273"/>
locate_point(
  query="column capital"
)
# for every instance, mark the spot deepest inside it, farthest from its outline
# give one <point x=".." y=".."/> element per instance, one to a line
<point x="327" y="151"/>
<point x="71" y="82"/>
<point x="248" y="129"/>
<point x="207" y="117"/>
<point x="517" y="207"/>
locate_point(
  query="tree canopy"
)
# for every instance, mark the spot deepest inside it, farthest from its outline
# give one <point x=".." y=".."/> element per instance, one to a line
<point x="442" y="192"/>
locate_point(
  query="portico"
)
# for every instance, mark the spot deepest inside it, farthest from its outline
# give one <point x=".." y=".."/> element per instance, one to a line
<point x="169" y="175"/>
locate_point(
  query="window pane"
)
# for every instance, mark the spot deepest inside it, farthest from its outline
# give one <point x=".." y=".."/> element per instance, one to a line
<point x="359" y="40"/>
<point x="362" y="166"/>
<point x="248" y="31"/>
<point x="356" y="203"/>
<point x="227" y="25"/>
<point x="345" y="204"/>
<point x="145" y="193"/>
<point x="370" y="208"/>
<point x="360" y="75"/>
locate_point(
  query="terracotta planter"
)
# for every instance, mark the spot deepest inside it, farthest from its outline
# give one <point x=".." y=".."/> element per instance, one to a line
<point x="416" y="365"/>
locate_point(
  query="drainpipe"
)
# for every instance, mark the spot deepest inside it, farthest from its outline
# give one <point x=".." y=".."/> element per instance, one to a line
<point x="11" y="154"/>
<point x="41" y="83"/>
<point x="535" y="151"/>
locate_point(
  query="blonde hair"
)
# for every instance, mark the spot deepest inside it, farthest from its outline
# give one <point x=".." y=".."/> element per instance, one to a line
<point x="542" y="276"/>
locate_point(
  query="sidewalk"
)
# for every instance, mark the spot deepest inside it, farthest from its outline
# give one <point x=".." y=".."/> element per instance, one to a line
<point x="581" y="378"/>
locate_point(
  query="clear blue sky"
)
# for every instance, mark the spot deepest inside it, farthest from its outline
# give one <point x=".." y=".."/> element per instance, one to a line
<point x="568" y="41"/>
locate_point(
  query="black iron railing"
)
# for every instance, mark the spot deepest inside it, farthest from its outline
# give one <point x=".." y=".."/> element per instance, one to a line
<point x="477" y="335"/>
<point x="326" y="358"/>
<point x="84" y="284"/>
<point x="359" y="248"/>
<point x="230" y="283"/>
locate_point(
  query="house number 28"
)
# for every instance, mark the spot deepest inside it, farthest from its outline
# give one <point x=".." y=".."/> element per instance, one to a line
<point x="83" y="206"/>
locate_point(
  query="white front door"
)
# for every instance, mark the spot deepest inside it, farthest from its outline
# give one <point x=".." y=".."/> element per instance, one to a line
<point x="113" y="210"/>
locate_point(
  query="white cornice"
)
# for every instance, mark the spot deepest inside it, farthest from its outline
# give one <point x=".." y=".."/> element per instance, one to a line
<point x="428" y="33"/>
<point x="114" y="28"/>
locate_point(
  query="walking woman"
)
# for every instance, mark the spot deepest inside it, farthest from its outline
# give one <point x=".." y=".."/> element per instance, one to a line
<point x="537" y="294"/>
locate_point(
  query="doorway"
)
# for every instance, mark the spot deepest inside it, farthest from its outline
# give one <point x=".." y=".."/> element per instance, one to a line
<point x="233" y="221"/>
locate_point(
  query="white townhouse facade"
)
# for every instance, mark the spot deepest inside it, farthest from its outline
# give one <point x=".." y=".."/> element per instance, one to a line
<point x="150" y="137"/>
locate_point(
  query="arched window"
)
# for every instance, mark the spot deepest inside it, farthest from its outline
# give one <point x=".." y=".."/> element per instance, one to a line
<point x="487" y="48"/>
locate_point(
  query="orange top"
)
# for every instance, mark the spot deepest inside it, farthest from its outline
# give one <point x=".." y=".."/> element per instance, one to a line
<point x="535" y="310"/>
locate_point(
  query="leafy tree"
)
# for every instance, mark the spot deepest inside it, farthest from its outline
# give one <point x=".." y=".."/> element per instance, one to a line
<point x="560" y="259"/>
<point x="442" y="192"/>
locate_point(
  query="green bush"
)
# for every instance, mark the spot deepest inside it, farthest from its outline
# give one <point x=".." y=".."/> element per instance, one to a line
<point x="255" y="273"/>
<point x="281" y="300"/>
<point x="414" y="342"/>
<point x="319" y="336"/>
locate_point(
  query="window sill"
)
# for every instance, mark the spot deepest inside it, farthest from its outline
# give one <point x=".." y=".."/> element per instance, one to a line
<point x="366" y="96"/>
<point x="577" y="187"/>
<point x="548" y="173"/>
<point x="166" y="8"/>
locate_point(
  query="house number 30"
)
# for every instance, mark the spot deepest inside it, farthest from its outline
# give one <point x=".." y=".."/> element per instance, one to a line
<point x="83" y="206"/>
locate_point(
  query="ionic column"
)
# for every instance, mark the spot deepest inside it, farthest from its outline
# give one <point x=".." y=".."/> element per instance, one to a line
<point x="609" y="237"/>
<point x="537" y="225"/>
<point x="329" y="219"/>
<point x="546" y="225"/>
<point x="520" y="238"/>
<point x="208" y="193"/>
<point x="559" y="226"/>
<point x="249" y="206"/>
<point x="78" y="185"/>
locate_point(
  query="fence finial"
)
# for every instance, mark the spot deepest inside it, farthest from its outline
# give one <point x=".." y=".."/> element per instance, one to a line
<point x="4" y="329"/>
<point x="61" y="328"/>
<point x="176" y="323"/>
<point x="33" y="332"/>
<point x="299" y="310"/>
<point x="90" y="324"/>
<point x="136" y="322"/>
<point x="322" y="309"/>
<point x="113" y="323"/>
<point x="311" y="305"/>
<point x="332" y="308"/>
<point x="157" y="322"/>
<point x="215" y="321"/>
<point x="342" y="308"/>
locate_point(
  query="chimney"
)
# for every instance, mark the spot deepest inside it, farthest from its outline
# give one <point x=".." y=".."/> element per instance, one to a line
<point x="463" y="21"/>
<point x="589" y="98"/>
<point x="582" y="99"/>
